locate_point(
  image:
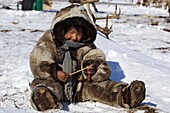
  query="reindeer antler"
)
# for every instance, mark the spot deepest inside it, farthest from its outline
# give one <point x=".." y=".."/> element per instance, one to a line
<point x="90" y="12"/>
<point x="105" y="30"/>
<point x="115" y="15"/>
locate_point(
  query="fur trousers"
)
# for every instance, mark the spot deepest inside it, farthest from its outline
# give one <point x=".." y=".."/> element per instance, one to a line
<point x="117" y="94"/>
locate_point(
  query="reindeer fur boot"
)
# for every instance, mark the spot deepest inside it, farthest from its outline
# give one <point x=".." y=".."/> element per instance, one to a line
<point x="134" y="93"/>
<point x="43" y="99"/>
<point x="46" y="94"/>
<point x="115" y="94"/>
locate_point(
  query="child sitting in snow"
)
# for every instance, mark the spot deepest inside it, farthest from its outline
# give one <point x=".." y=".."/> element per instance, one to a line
<point x="67" y="66"/>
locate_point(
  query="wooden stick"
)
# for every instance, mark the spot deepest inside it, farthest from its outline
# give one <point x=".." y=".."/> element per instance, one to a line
<point x="81" y="70"/>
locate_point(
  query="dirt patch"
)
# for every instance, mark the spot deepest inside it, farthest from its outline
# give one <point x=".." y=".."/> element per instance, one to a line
<point x="162" y="49"/>
<point x="5" y="30"/>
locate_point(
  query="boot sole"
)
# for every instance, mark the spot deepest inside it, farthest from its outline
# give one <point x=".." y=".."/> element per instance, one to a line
<point x="43" y="99"/>
<point x="137" y="93"/>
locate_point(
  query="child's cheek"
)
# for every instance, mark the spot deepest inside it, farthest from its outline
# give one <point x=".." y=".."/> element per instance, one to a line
<point x="67" y="36"/>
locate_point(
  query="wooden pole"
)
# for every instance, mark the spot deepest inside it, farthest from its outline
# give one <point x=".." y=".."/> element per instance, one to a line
<point x="81" y="70"/>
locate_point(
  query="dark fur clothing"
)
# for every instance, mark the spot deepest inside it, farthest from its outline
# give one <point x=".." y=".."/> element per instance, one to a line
<point x="44" y="65"/>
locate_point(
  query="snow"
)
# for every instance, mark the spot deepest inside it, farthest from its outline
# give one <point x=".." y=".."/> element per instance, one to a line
<point x="134" y="51"/>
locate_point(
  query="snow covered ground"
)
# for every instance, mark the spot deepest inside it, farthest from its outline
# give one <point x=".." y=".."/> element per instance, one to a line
<point x="136" y="50"/>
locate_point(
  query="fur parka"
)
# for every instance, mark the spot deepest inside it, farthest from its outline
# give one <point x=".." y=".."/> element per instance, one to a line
<point x="45" y="50"/>
<point x="43" y="62"/>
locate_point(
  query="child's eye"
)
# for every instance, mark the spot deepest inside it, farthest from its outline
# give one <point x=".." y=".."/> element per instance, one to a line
<point x="79" y="35"/>
<point x="71" y="32"/>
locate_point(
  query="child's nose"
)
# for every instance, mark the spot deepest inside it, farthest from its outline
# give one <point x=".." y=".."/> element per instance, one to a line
<point x="74" y="37"/>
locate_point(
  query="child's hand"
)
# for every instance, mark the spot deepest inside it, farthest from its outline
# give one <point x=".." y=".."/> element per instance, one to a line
<point x="62" y="76"/>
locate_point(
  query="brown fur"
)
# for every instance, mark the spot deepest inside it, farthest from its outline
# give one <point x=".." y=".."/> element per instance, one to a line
<point x="100" y="88"/>
<point x="110" y="95"/>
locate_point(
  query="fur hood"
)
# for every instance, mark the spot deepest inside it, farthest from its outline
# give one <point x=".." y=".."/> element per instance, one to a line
<point x="70" y="16"/>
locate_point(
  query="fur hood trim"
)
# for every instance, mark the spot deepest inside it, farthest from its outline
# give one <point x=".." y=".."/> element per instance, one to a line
<point x="69" y="12"/>
<point x="73" y="15"/>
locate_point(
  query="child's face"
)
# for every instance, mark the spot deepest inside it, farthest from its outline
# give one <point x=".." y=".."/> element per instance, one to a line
<point x="73" y="35"/>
